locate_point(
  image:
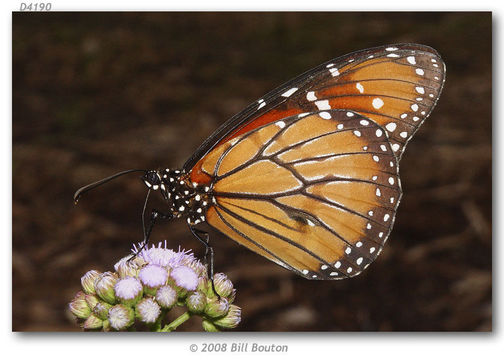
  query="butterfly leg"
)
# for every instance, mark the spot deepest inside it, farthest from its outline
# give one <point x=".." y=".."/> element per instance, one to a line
<point x="204" y="238"/>
<point x="155" y="216"/>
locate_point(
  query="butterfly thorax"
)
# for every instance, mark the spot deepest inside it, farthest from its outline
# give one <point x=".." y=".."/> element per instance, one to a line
<point x="184" y="198"/>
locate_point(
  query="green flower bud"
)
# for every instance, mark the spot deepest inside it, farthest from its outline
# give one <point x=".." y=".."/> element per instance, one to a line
<point x="223" y="286"/>
<point x="128" y="267"/>
<point x="208" y="326"/>
<point x="106" y="325"/>
<point x="166" y="296"/>
<point x="231" y="320"/>
<point x="203" y="284"/>
<point x="196" y="302"/>
<point x="88" y="280"/>
<point x="121" y="317"/>
<point x="101" y="310"/>
<point x="79" y="307"/>
<point x="216" y="308"/>
<point x="92" y="323"/>
<point x="147" y="310"/>
<point x="104" y="287"/>
<point x="92" y="300"/>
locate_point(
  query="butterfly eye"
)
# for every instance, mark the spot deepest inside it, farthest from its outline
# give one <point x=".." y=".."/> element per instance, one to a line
<point x="152" y="179"/>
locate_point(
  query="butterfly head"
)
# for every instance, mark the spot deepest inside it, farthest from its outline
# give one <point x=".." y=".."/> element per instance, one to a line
<point x="157" y="180"/>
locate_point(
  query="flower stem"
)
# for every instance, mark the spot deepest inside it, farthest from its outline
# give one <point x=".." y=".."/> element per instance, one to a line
<point x="175" y="323"/>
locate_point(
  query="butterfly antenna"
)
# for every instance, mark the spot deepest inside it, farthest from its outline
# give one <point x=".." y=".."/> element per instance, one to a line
<point x="86" y="188"/>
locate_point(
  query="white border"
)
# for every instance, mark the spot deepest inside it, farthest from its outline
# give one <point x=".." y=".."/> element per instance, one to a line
<point x="332" y="345"/>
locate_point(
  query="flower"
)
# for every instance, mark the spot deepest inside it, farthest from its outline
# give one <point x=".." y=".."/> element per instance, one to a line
<point x="185" y="277"/>
<point x="217" y="307"/>
<point x="196" y="302"/>
<point x="147" y="310"/>
<point x="231" y="320"/>
<point x="166" y="296"/>
<point x="92" y="300"/>
<point x="156" y="255"/>
<point x="101" y="310"/>
<point x="128" y="266"/>
<point x="121" y="317"/>
<point x="145" y="286"/>
<point x="104" y="286"/>
<point x="223" y="286"/>
<point x="92" y="323"/>
<point x="88" y="280"/>
<point x="128" y="290"/>
<point x="79" y="307"/>
<point x="153" y="276"/>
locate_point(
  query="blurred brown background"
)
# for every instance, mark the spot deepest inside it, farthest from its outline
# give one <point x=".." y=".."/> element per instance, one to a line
<point x="96" y="93"/>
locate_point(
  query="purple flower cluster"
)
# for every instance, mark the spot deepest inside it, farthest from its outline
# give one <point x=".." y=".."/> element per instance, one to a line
<point x="143" y="289"/>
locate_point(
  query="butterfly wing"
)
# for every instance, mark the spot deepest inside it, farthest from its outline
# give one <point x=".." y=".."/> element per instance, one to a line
<point x="316" y="193"/>
<point x="396" y="86"/>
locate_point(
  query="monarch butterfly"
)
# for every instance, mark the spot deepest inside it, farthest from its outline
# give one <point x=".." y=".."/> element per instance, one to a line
<point x="308" y="175"/>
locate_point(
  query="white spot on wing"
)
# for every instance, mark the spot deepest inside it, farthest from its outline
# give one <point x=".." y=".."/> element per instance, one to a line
<point x="290" y="92"/>
<point x="310" y="96"/>
<point x="334" y="72"/>
<point x="377" y="103"/>
<point x="360" y="87"/>
<point x="325" y="115"/>
<point x="411" y="60"/>
<point x="391" y="126"/>
<point x="420" y="72"/>
<point x="280" y="124"/>
<point x="323" y="104"/>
